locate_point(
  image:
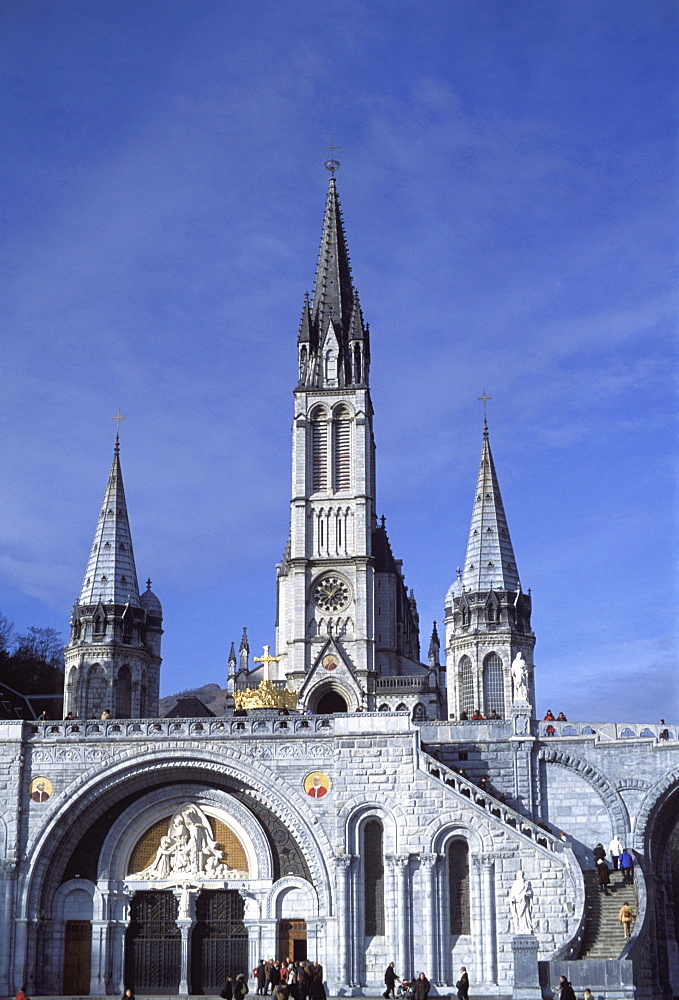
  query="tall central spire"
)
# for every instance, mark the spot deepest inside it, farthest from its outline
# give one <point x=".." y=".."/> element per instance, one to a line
<point x="334" y="350"/>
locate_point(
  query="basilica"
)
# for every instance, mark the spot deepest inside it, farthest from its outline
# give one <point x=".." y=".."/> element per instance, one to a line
<point x="358" y="802"/>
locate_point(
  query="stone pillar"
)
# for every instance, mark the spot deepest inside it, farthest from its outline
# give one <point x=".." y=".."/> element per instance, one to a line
<point x="100" y="946"/>
<point x="343" y="870"/>
<point x="7" y="869"/>
<point x="522" y="745"/>
<point x="186" y="895"/>
<point x="489" y="926"/>
<point x="254" y="945"/>
<point x="431" y="909"/>
<point x="401" y="862"/>
<point x="526" y="976"/>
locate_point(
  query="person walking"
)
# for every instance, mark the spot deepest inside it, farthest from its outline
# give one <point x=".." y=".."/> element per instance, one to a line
<point x="615" y="849"/>
<point x="599" y="853"/>
<point x="260" y="973"/>
<point x="390" y="978"/>
<point x="227" y="992"/>
<point x="626" y="916"/>
<point x="566" y="991"/>
<point x="627" y="866"/>
<point x="462" y="985"/>
<point x="603" y="876"/>
<point x="421" y="988"/>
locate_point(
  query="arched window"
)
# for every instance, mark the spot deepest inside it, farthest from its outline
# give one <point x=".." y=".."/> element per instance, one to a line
<point x="96" y="692"/>
<point x="401" y="708"/>
<point x="493" y="685"/>
<point x="341" y="430"/>
<point x="123" y="693"/>
<point x="302" y="364"/>
<point x="419" y="712"/>
<point x="466" y="686"/>
<point x="331" y="367"/>
<point x="458" y="886"/>
<point x="373" y="878"/>
<point x="384" y="708"/>
<point x="319" y="450"/>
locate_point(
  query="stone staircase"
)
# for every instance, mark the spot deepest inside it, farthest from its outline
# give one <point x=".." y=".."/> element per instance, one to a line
<point x="603" y="937"/>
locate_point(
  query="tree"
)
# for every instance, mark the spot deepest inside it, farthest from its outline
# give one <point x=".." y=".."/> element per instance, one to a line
<point x="31" y="663"/>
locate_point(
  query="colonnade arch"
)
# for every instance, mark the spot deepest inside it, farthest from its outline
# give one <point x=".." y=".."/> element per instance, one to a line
<point x="126" y="799"/>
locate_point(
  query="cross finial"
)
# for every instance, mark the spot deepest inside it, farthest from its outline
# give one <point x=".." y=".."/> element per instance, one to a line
<point x="118" y="417"/>
<point x="266" y="660"/>
<point x="332" y="164"/>
<point x="485" y="398"/>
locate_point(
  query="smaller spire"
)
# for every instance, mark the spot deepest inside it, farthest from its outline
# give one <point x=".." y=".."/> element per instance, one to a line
<point x="434" y="648"/>
<point x="244" y="652"/>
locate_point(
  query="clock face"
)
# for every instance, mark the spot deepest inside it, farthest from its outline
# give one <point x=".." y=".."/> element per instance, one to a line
<point x="331" y="594"/>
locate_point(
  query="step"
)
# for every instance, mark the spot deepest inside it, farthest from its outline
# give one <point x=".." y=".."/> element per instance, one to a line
<point x="603" y="936"/>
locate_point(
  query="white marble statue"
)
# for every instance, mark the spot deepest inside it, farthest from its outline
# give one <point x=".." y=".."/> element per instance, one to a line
<point x="188" y="849"/>
<point x="520" y="902"/>
<point x="520" y="678"/>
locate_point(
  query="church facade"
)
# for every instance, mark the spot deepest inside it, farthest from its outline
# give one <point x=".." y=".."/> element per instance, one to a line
<point x="378" y="821"/>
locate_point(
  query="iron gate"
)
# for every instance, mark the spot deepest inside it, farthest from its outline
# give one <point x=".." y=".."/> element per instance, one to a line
<point x="153" y="944"/>
<point x="219" y="943"/>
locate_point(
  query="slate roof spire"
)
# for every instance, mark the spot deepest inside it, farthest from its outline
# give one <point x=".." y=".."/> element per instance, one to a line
<point x="111" y="574"/>
<point x="332" y="320"/>
<point x="490" y="563"/>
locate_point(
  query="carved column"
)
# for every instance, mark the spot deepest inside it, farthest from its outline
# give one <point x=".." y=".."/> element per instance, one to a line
<point x="121" y="913"/>
<point x="186" y="895"/>
<point x="343" y="916"/>
<point x="431" y="909"/>
<point x="401" y="862"/>
<point x="489" y="922"/>
<point x="477" y="918"/>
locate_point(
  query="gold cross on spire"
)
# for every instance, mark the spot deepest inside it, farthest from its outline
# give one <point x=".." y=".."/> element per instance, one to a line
<point x="118" y="417"/>
<point x="266" y="659"/>
<point x="485" y="400"/>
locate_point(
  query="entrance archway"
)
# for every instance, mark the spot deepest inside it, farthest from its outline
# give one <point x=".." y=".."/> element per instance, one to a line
<point x="330" y="703"/>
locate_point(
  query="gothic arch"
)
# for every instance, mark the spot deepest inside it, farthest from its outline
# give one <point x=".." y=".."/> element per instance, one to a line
<point x="360" y="814"/>
<point x="614" y="802"/>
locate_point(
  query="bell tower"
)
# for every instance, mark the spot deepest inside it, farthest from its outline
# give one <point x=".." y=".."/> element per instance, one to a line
<point x="342" y="604"/>
<point x="112" y="660"/>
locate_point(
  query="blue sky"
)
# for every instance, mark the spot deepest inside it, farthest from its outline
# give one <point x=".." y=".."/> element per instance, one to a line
<point x="508" y="180"/>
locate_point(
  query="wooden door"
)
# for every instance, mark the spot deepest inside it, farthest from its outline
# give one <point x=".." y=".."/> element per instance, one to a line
<point x="77" y="957"/>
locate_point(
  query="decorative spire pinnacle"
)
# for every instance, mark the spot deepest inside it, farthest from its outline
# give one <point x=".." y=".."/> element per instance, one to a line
<point x="485" y="399"/>
<point x="332" y="164"/>
<point x="490" y="561"/>
<point x="111" y="574"/>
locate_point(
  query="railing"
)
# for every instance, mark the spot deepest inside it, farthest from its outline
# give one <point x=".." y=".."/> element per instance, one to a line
<point x="552" y="728"/>
<point x="483" y="799"/>
<point x="411" y="682"/>
<point x="236" y="726"/>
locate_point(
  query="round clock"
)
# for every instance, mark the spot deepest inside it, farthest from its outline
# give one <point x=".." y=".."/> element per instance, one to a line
<point x="331" y="594"/>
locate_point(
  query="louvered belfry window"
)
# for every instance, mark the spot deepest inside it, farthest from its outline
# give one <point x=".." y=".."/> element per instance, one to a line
<point x="466" y="686"/>
<point x="458" y="886"/>
<point x="319" y="451"/>
<point x="373" y="878"/>
<point x="342" y="449"/>
<point x="493" y="685"/>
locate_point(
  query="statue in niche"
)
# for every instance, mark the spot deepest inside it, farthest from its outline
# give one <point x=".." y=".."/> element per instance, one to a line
<point x="189" y="848"/>
<point x="520" y="678"/>
<point x="520" y="902"/>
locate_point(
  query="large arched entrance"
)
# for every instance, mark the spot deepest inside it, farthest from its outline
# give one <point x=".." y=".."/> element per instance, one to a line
<point x="330" y="703"/>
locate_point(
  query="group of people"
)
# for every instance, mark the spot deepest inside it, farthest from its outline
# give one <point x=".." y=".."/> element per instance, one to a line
<point x="418" y="989"/>
<point x="621" y="858"/>
<point x="478" y="716"/>
<point x="298" y="980"/>
<point x="565" y="991"/>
